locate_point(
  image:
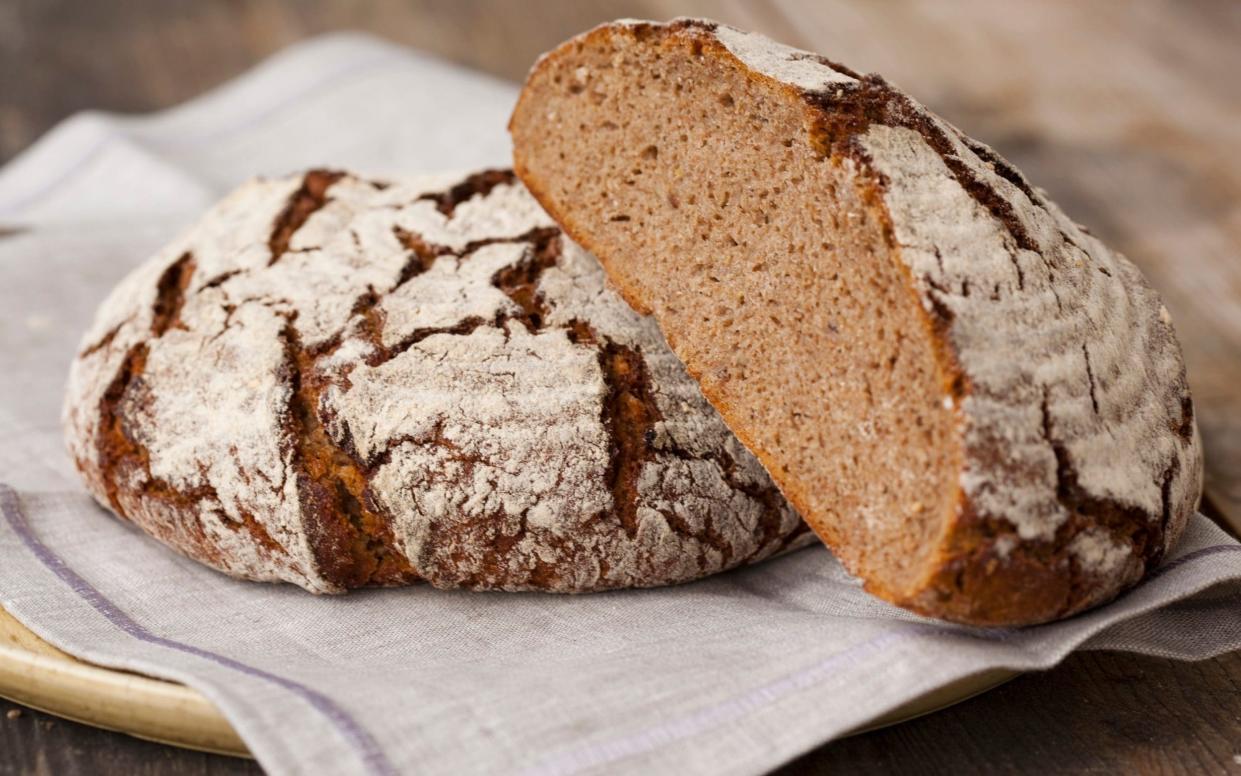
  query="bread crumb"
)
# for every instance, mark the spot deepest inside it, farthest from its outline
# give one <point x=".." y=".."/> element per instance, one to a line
<point x="13" y="713"/>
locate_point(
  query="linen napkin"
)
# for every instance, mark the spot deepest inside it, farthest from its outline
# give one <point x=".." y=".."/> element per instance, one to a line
<point x="734" y="674"/>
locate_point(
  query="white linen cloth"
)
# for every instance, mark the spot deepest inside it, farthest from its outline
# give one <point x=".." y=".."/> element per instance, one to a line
<point x="731" y="675"/>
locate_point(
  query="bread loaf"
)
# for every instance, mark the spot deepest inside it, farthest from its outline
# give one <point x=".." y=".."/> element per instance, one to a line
<point x="338" y="382"/>
<point x="977" y="405"/>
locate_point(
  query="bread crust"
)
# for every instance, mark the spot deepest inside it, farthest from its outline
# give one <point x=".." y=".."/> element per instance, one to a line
<point x="340" y="383"/>
<point x="1077" y="476"/>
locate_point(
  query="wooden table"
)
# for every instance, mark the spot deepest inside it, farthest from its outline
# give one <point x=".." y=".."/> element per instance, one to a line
<point x="1129" y="114"/>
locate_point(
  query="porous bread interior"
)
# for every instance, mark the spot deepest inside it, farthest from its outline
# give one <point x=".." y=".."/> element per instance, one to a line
<point x="766" y="264"/>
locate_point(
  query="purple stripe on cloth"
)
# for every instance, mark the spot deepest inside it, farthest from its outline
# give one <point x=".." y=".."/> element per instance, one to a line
<point x="360" y="740"/>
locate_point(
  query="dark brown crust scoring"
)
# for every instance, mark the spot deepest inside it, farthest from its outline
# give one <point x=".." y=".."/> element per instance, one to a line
<point x="1043" y="572"/>
<point x="118" y="452"/>
<point x="476" y="185"/>
<point x="305" y="201"/>
<point x="350" y="535"/>
<point x="975" y="582"/>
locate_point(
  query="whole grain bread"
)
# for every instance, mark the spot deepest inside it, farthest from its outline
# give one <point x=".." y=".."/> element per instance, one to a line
<point x="980" y="407"/>
<point x="339" y="382"/>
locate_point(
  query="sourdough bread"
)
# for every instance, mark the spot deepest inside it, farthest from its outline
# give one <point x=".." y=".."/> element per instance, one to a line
<point x="977" y="405"/>
<point x="338" y="382"/>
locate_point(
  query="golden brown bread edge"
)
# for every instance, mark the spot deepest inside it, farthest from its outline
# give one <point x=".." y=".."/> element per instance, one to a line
<point x="980" y="570"/>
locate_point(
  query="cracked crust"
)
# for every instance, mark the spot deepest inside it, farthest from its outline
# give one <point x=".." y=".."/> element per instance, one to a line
<point x="1069" y="458"/>
<point x="341" y="383"/>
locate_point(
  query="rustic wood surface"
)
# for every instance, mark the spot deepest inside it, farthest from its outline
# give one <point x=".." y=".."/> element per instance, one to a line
<point x="1128" y="113"/>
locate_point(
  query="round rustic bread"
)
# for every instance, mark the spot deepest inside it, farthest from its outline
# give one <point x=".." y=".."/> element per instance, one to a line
<point x="338" y="383"/>
<point x="975" y="403"/>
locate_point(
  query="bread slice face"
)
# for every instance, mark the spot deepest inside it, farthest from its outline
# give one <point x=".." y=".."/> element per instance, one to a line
<point x="977" y="405"/>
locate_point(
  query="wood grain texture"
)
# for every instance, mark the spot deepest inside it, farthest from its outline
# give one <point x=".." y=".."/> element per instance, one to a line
<point x="36" y="744"/>
<point x="1098" y="712"/>
<point x="1128" y="114"/>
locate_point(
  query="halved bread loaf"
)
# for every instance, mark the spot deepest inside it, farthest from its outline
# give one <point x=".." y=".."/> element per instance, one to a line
<point x="976" y="404"/>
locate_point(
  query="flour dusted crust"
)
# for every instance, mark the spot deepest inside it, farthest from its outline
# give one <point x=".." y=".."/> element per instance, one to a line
<point x="1080" y="460"/>
<point x="339" y="382"/>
